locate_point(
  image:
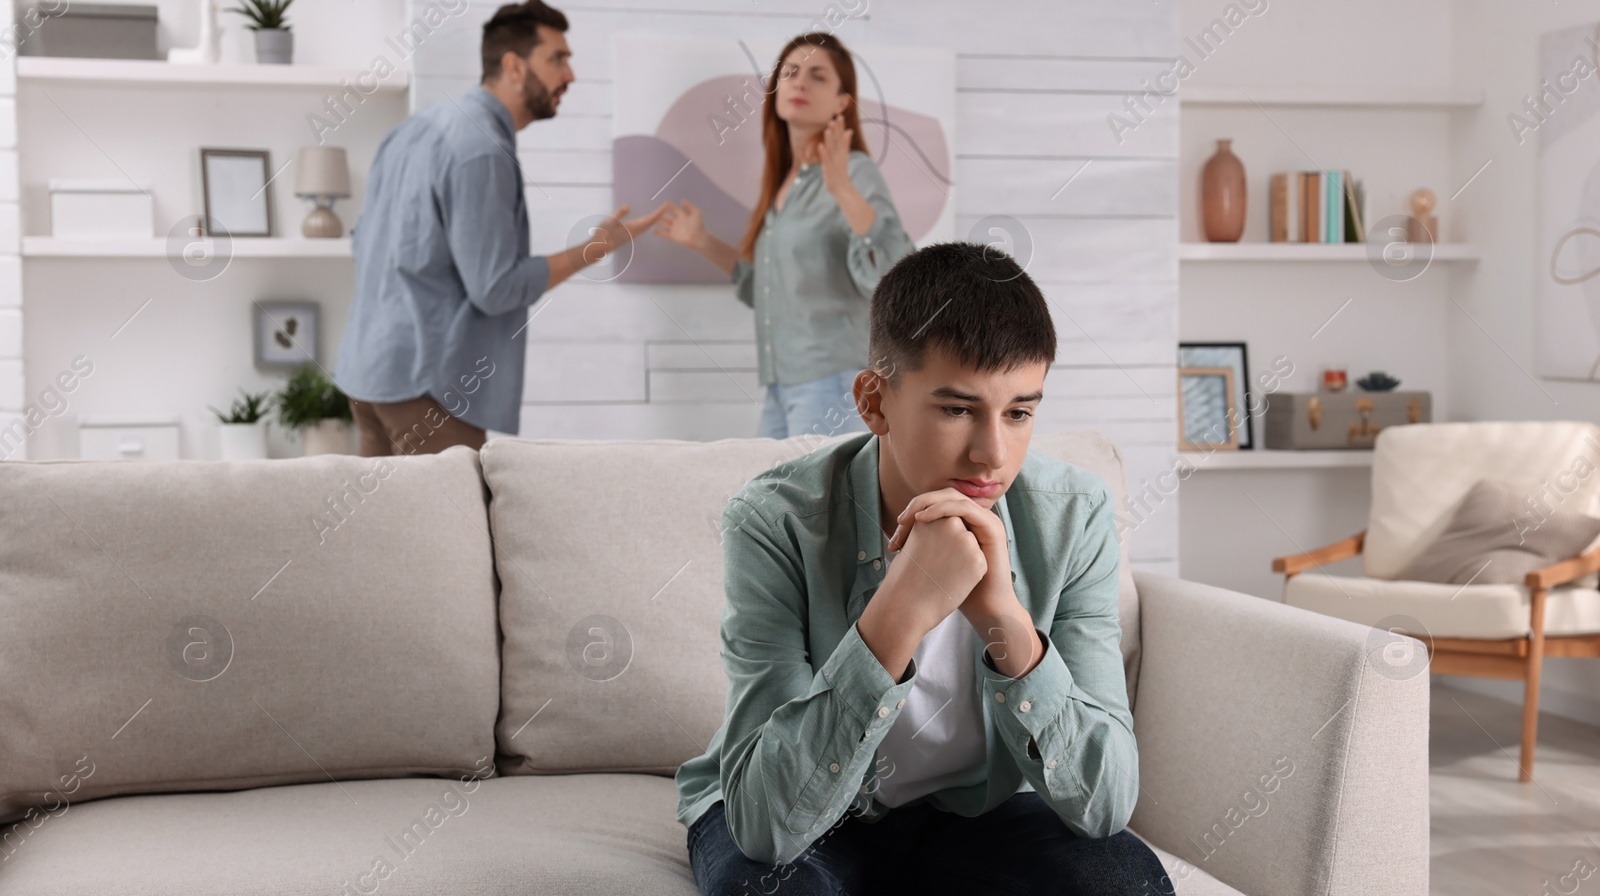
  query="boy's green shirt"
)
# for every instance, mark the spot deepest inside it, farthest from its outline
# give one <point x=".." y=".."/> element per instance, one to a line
<point x="809" y="703"/>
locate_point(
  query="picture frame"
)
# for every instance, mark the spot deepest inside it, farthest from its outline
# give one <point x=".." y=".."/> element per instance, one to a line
<point x="286" y="335"/>
<point x="237" y="185"/>
<point x="1234" y="355"/>
<point x="1205" y="407"/>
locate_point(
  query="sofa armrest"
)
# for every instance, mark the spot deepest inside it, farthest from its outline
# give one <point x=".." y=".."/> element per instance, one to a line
<point x="1281" y="751"/>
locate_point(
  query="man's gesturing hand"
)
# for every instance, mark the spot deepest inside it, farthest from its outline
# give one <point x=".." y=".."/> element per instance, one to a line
<point x="615" y="231"/>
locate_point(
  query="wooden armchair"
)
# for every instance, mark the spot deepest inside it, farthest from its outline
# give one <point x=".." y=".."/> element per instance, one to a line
<point x="1501" y="631"/>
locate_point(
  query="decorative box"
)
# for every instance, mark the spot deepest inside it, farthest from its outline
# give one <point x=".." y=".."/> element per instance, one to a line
<point x="99" y="208"/>
<point x="1324" y="420"/>
<point x="118" y="437"/>
<point x="92" y="31"/>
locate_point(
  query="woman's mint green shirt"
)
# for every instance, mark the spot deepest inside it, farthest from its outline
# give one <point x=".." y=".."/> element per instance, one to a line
<point x="808" y="702"/>
<point x="812" y="277"/>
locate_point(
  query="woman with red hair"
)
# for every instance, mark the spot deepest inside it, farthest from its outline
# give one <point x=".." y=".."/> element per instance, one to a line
<point x="823" y="231"/>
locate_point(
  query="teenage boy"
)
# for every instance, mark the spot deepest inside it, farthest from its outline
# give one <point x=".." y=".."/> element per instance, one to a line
<point x="926" y="691"/>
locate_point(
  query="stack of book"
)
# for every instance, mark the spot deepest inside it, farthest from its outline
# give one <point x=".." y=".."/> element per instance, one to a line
<point x="1317" y="207"/>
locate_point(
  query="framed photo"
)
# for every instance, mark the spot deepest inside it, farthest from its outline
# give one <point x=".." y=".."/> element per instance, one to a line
<point x="286" y="335"/>
<point x="238" y="191"/>
<point x="1234" y="356"/>
<point x="1205" y="408"/>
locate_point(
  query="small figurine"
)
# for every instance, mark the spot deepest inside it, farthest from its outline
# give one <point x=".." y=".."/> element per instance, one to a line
<point x="1423" y="226"/>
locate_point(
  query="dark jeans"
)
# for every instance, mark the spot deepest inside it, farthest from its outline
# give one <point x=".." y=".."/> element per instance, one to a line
<point x="1019" y="847"/>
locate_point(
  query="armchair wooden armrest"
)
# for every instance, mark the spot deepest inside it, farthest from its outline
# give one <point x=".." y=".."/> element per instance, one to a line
<point x="1565" y="571"/>
<point x="1295" y="564"/>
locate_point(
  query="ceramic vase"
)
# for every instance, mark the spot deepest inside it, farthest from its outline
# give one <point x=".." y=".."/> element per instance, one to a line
<point x="1222" y="195"/>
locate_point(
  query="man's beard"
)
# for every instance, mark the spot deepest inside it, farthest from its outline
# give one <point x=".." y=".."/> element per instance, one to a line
<point x="537" y="98"/>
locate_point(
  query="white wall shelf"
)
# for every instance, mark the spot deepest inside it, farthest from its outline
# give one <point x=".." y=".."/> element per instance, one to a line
<point x="1313" y="252"/>
<point x="153" y="72"/>
<point x="156" y="247"/>
<point x="1268" y="459"/>
<point x="1330" y="97"/>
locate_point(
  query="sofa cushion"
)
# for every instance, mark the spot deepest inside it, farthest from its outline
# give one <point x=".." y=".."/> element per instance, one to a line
<point x="1445" y="611"/>
<point x="1420" y="473"/>
<point x="598" y="835"/>
<point x="198" y="625"/>
<point x="611" y="561"/>
<point x="1489" y="542"/>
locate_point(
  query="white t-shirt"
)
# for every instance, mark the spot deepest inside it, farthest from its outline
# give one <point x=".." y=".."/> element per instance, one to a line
<point x="938" y="740"/>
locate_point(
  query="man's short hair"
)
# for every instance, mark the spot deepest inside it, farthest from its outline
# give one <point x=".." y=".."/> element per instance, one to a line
<point x="971" y="300"/>
<point x="515" y="28"/>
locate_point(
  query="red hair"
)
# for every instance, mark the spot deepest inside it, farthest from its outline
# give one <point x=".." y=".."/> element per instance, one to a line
<point x="775" y="131"/>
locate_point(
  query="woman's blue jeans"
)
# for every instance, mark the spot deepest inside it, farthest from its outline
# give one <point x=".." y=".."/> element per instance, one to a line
<point x="822" y="407"/>
<point x="1019" y="847"/>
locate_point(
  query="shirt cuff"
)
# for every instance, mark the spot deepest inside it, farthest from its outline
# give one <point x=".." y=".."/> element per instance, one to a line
<point x="1024" y="707"/>
<point x="856" y="675"/>
<point x="873" y="238"/>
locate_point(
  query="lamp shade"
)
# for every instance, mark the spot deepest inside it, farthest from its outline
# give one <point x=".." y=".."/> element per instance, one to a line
<point x="322" y="171"/>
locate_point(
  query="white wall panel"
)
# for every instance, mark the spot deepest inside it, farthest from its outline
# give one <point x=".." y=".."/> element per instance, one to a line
<point x="1035" y="84"/>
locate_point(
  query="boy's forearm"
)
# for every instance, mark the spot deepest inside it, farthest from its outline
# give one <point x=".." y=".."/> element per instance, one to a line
<point x="891" y="629"/>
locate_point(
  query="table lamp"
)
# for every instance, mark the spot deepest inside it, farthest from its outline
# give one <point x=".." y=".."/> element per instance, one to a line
<point x="323" y="176"/>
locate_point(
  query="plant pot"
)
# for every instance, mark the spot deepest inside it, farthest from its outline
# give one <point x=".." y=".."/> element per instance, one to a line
<point x="1222" y="196"/>
<point x="243" y="441"/>
<point x="274" y="46"/>
<point x="330" y="436"/>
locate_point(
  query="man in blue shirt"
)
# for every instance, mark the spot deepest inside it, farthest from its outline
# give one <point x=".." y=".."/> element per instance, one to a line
<point x="433" y="353"/>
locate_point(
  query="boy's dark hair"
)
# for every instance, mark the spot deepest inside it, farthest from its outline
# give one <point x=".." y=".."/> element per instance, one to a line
<point x="515" y="28"/>
<point x="974" y="301"/>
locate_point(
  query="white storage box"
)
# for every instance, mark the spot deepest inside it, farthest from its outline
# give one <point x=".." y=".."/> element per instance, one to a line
<point x="100" y="208"/>
<point x="107" y="437"/>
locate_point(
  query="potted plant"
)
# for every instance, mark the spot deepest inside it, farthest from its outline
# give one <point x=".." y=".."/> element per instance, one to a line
<point x="274" y="40"/>
<point x="311" y="403"/>
<point x="242" y="431"/>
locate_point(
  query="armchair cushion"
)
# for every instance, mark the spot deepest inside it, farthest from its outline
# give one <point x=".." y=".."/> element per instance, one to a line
<point x="1421" y="472"/>
<point x="1446" y="611"/>
<point x="1493" y="540"/>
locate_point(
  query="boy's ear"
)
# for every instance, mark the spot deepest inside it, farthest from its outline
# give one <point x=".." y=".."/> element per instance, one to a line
<point x="869" y="388"/>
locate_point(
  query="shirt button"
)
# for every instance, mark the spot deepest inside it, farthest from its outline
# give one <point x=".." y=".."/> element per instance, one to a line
<point x="867" y="240"/>
<point x="1000" y="696"/>
<point x="834" y="768"/>
<point x="877" y="564"/>
<point x="863" y="788"/>
<point x="1025" y="705"/>
<point x="900" y="704"/>
<point x="766" y="289"/>
<point x="1050" y="764"/>
<point x="883" y="712"/>
<point x="861" y="555"/>
<point x="765" y="259"/>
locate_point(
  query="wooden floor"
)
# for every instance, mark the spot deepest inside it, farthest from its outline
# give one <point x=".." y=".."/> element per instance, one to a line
<point x="1492" y="835"/>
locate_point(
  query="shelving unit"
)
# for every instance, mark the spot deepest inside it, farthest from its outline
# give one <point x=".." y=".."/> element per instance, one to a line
<point x="1267" y="459"/>
<point x="151" y="72"/>
<point x="1306" y="252"/>
<point x="155" y="247"/>
<point x="1398" y="98"/>
<point x="1290" y="299"/>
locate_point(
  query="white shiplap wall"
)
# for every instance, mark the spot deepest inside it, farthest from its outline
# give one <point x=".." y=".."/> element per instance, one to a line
<point x="1036" y="80"/>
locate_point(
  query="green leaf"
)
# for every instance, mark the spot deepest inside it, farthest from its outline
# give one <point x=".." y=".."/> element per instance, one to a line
<point x="309" y="397"/>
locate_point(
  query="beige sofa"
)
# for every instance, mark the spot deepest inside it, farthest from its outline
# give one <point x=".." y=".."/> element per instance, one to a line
<point x="476" y="672"/>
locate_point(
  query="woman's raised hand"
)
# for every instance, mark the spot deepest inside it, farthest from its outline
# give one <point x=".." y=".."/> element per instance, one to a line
<point x="835" y="155"/>
<point x="683" y="224"/>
